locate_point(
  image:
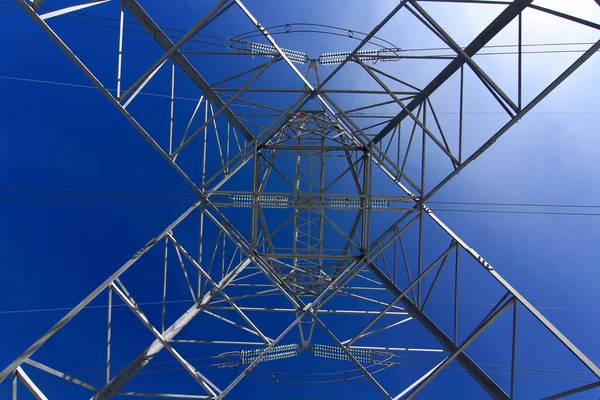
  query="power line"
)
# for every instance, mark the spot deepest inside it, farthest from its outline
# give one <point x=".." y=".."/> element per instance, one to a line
<point x="104" y="306"/>
<point x="154" y="199"/>
<point x="156" y="202"/>
<point x="37" y="310"/>
<point x="484" y="203"/>
<point x="193" y="196"/>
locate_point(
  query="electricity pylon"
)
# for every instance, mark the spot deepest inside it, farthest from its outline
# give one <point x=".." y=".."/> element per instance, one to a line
<point x="309" y="204"/>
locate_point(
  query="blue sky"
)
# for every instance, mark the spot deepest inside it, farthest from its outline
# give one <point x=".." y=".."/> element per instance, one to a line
<point x="71" y="138"/>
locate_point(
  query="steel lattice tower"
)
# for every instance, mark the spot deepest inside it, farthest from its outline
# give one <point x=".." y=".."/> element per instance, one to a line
<point x="307" y="205"/>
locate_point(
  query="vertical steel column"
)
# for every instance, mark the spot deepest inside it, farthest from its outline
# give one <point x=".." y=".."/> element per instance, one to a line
<point x="423" y="149"/>
<point x="164" y="296"/>
<point x="108" y="334"/>
<point x="456" y="297"/>
<point x="513" y="362"/>
<point x="255" y="199"/>
<point x="520" y="61"/>
<point x="460" y="114"/>
<point x="14" y="385"/>
<point x="172" y="106"/>
<point x="120" y="52"/>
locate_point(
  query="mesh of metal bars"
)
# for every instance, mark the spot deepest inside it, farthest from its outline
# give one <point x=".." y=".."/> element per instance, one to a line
<point x="232" y="262"/>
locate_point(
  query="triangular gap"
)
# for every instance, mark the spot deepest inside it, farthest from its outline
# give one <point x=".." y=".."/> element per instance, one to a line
<point x="544" y="59"/>
<point x="353" y="313"/>
<point x="499" y="60"/>
<point x="260" y="107"/>
<point x="353" y="127"/>
<point x="439" y="303"/>
<point x="392" y="76"/>
<point x="418" y="65"/>
<point x="146" y="279"/>
<point x="393" y="263"/>
<point x="237" y="44"/>
<point x="403" y="146"/>
<point x="253" y="39"/>
<point x="238" y="178"/>
<point x="440" y="158"/>
<point x="483" y="116"/>
<point x="266" y="308"/>
<point x="398" y="345"/>
<point x="539" y="357"/>
<point x="491" y="319"/>
<point x="157" y="128"/>
<point x="180" y="279"/>
<point x="45" y="383"/>
<point x="190" y="18"/>
<point x="310" y="124"/>
<point x="539" y="353"/>
<point x="218" y="257"/>
<point x="453" y="379"/>
<point x="438" y="257"/>
<point x="166" y="82"/>
<point x="462" y="22"/>
<point x="129" y="338"/>
<point x="398" y="251"/>
<point x="364" y="110"/>
<point x="150" y="311"/>
<point x="234" y="291"/>
<point x="390" y="166"/>
<point x="105" y="39"/>
<point x="424" y="257"/>
<point x="337" y="226"/>
<point x="218" y="144"/>
<point x="238" y="324"/>
<point x="343" y="173"/>
<point x="443" y="117"/>
<point x="587" y="11"/>
<point x="280" y="225"/>
<point x="423" y="246"/>
<point x="282" y="167"/>
<point x="477" y="294"/>
<point x="438" y="165"/>
<point x="499" y="88"/>
<point x="437" y="139"/>
<point x="327" y="352"/>
<point x="156" y="365"/>
<point x="156" y="95"/>
<point x="493" y="349"/>
<point x="78" y="356"/>
<point x="226" y="256"/>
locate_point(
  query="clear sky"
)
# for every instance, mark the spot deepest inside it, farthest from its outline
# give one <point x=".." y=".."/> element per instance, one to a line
<point x="57" y="247"/>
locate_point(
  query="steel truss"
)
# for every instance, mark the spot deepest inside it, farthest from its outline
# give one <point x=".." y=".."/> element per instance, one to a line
<point x="311" y="242"/>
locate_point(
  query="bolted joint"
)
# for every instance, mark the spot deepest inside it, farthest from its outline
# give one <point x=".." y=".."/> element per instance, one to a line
<point x="308" y="309"/>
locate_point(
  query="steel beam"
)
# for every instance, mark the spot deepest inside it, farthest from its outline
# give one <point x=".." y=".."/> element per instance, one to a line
<point x="487" y="383"/>
<point x="32" y="387"/>
<point x="163" y="40"/>
<point x="147" y="355"/>
<point x="500" y="22"/>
